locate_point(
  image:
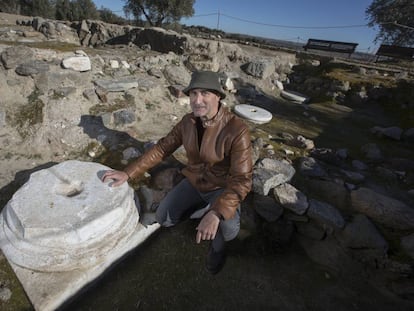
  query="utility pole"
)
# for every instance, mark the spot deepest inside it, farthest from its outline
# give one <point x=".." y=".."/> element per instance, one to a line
<point x="218" y="19"/>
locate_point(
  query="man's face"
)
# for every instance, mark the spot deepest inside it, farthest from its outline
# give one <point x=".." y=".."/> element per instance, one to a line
<point x="204" y="103"/>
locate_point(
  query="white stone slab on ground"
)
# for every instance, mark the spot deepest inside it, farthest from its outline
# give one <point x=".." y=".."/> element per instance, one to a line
<point x="65" y="227"/>
<point x="294" y="96"/>
<point x="253" y="113"/>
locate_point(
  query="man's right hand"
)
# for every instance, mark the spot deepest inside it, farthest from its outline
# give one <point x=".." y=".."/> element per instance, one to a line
<point x="119" y="177"/>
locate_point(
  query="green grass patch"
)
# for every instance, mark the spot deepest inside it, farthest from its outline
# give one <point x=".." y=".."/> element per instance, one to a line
<point x="29" y="115"/>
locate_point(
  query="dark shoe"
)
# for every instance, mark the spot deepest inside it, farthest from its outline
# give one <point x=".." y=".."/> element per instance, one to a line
<point x="215" y="260"/>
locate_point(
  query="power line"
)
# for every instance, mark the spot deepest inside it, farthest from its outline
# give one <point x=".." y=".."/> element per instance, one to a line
<point x="293" y="27"/>
<point x="403" y="26"/>
<point x="202" y="15"/>
<point x="218" y="14"/>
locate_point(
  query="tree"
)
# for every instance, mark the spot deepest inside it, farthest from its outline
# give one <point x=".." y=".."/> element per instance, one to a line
<point x="157" y="12"/>
<point x="394" y="19"/>
<point x="107" y="16"/>
<point x="10" y="6"/>
<point x="63" y="10"/>
<point x="83" y="9"/>
<point x="43" y="8"/>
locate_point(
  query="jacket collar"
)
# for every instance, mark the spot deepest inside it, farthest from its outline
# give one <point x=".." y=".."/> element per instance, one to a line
<point x="215" y="120"/>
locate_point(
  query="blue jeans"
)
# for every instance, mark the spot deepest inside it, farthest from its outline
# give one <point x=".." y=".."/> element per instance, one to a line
<point x="184" y="199"/>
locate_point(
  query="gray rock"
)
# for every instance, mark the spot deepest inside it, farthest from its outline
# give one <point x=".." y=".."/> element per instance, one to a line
<point x="408" y="135"/>
<point x="260" y="69"/>
<point x="393" y="132"/>
<point x="353" y="177"/>
<point x="331" y="192"/>
<point x="65" y="91"/>
<point x="90" y="94"/>
<point x="325" y="214"/>
<point x="2" y="118"/>
<point x="270" y="174"/>
<point x="47" y="81"/>
<point x="146" y="84"/>
<point x="16" y="55"/>
<point x="382" y="209"/>
<point x="326" y="155"/>
<point x="311" y="231"/>
<point x="291" y="198"/>
<point x="305" y="143"/>
<point x="148" y="219"/>
<point x="156" y="72"/>
<point x="37" y="23"/>
<point x="83" y="30"/>
<point x="130" y="153"/>
<point x="407" y="243"/>
<point x="49" y="30"/>
<point x="177" y="75"/>
<point x="149" y="199"/>
<point x="257" y="147"/>
<point x="196" y="62"/>
<point x="160" y="40"/>
<point x="119" y="85"/>
<point x="267" y="207"/>
<point x="288" y="215"/>
<point x="275" y="165"/>
<point x="371" y="152"/>
<point x="32" y="68"/>
<point x="264" y="180"/>
<point x="360" y="234"/>
<point x="5" y="293"/>
<point x="342" y="153"/>
<point x="330" y="254"/>
<point x="122" y="117"/>
<point x="359" y="165"/>
<point x="308" y="166"/>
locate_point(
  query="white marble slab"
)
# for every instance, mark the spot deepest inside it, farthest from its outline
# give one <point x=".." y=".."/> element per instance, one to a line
<point x="253" y="113"/>
<point x="65" y="227"/>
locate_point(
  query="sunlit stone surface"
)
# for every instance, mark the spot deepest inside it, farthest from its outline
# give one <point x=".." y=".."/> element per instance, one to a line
<point x="66" y="223"/>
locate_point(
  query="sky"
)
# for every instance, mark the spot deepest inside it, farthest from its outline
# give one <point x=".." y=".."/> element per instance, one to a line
<point x="292" y="20"/>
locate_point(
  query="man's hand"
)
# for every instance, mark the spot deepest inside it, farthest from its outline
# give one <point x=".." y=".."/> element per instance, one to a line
<point x="207" y="228"/>
<point x="119" y="177"/>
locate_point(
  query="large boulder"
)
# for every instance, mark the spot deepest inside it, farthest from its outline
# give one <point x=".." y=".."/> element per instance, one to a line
<point x="383" y="209"/>
<point x="15" y="55"/>
<point x="271" y="173"/>
<point x="363" y="240"/>
<point x="161" y="40"/>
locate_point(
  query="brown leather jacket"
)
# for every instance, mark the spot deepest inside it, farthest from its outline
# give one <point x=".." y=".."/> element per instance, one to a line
<point x="224" y="159"/>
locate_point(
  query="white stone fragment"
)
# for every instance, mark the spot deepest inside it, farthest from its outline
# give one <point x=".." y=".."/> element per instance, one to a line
<point x="77" y="63"/>
<point x="114" y="64"/>
<point x="125" y="64"/>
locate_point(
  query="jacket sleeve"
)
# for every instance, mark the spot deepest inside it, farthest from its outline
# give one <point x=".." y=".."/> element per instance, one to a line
<point x="239" y="181"/>
<point x="164" y="147"/>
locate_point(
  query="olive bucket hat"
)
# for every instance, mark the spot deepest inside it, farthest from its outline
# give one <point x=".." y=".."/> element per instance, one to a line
<point x="208" y="80"/>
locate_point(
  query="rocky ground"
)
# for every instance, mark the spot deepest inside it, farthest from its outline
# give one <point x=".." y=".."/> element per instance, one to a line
<point x="359" y="114"/>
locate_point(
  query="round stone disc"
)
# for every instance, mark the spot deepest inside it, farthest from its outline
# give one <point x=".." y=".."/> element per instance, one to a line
<point x="65" y="217"/>
<point x="253" y="113"/>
